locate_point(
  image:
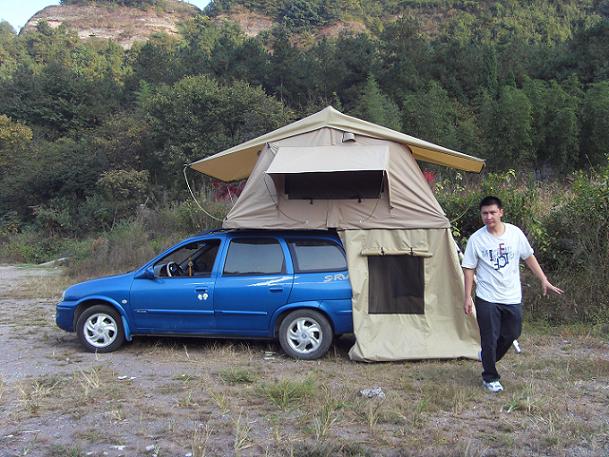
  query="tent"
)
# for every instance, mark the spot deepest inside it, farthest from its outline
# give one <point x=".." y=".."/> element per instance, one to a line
<point x="333" y="171"/>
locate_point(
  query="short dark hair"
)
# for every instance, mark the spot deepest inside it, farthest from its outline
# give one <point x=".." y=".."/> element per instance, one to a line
<point x="491" y="200"/>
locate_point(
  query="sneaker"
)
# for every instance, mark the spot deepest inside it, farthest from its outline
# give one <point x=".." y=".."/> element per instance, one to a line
<point x="493" y="386"/>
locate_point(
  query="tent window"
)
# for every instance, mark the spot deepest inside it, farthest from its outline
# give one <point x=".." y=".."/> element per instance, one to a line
<point x="396" y="285"/>
<point x="334" y="185"/>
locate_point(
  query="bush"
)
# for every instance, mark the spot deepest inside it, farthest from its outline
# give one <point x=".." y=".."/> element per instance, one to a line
<point x="124" y="248"/>
<point x="520" y="201"/>
<point x="578" y="250"/>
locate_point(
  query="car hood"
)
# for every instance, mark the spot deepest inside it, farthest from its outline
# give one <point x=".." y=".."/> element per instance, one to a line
<point x="107" y="285"/>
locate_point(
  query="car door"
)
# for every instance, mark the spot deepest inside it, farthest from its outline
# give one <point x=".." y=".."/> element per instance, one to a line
<point x="182" y="303"/>
<point x="253" y="282"/>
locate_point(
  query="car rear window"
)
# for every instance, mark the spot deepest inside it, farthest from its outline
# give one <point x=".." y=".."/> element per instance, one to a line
<point x="311" y="255"/>
<point x="254" y="256"/>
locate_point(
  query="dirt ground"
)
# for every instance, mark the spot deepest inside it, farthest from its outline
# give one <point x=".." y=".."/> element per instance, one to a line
<point x="196" y="397"/>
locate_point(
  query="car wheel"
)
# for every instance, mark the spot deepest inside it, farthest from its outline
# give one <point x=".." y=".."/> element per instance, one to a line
<point x="100" y="329"/>
<point x="305" y="334"/>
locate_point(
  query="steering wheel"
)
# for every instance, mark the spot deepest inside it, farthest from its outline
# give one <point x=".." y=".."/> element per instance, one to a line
<point x="173" y="269"/>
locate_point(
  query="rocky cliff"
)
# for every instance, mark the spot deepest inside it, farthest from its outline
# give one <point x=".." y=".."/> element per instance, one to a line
<point x="125" y="25"/>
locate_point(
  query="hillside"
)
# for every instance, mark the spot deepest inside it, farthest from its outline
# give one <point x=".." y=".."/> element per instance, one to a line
<point x="123" y="24"/>
<point x="544" y="21"/>
<point x="489" y="20"/>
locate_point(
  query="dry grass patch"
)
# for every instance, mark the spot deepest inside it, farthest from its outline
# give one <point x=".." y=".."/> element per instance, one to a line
<point x="237" y="376"/>
<point x="48" y="286"/>
<point x="286" y="394"/>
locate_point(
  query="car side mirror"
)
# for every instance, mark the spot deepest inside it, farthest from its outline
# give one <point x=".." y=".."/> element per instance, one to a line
<point x="147" y="273"/>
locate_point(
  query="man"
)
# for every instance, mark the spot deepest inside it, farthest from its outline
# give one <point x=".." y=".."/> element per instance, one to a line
<point x="493" y="254"/>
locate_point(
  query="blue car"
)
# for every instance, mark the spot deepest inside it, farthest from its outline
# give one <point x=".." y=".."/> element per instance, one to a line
<point x="287" y="285"/>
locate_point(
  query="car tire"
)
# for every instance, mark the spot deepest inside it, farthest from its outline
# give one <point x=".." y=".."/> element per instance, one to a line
<point x="100" y="329"/>
<point x="305" y="334"/>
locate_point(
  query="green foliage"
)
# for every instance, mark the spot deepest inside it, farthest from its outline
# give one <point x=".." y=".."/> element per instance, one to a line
<point x="507" y="123"/>
<point x="14" y="137"/>
<point x="287" y="393"/>
<point x="555" y="124"/>
<point x="299" y="13"/>
<point x="178" y="114"/>
<point x="584" y="211"/>
<point x="578" y="248"/>
<point x="520" y="201"/>
<point x="430" y="114"/>
<point x="595" y="124"/>
<point x="123" y="248"/>
<point x="374" y="106"/>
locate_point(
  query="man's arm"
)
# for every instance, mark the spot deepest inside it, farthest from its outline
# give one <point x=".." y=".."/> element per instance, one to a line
<point x="468" y="303"/>
<point x="534" y="266"/>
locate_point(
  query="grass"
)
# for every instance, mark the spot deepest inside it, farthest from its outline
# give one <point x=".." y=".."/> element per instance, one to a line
<point x="237" y="376"/>
<point x="231" y="400"/>
<point x="200" y="438"/>
<point x="286" y="393"/>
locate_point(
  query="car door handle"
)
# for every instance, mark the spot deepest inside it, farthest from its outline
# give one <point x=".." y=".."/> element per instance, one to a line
<point x="202" y="294"/>
<point x="276" y="289"/>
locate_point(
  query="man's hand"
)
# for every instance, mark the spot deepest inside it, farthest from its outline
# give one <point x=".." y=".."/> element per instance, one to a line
<point x="533" y="265"/>
<point x="546" y="285"/>
<point x="468" y="307"/>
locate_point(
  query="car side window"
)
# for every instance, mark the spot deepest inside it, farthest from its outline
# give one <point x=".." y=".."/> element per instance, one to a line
<point x="254" y="256"/>
<point x="316" y="255"/>
<point x="193" y="259"/>
<point x="203" y="260"/>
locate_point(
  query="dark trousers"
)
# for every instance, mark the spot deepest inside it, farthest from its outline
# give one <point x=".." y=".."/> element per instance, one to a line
<point x="499" y="326"/>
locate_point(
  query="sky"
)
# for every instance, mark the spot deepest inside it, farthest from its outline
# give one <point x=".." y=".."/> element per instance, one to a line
<point x="17" y="12"/>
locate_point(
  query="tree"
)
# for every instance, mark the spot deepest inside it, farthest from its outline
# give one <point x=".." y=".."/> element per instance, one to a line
<point x="405" y="56"/>
<point x="374" y="106"/>
<point x="508" y="128"/>
<point x="197" y="117"/>
<point x="430" y="114"/>
<point x="156" y="61"/>
<point x="595" y="125"/>
<point x="555" y="125"/>
<point x="14" y="138"/>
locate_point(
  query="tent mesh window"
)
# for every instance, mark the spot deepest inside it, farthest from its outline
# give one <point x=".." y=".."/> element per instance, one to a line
<point x="335" y="185"/>
<point x="396" y="285"/>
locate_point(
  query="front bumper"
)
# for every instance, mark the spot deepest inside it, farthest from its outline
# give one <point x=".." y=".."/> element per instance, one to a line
<point x="64" y="316"/>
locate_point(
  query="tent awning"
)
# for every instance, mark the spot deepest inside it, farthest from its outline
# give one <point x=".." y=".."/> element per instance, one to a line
<point x="237" y="162"/>
<point x="322" y="159"/>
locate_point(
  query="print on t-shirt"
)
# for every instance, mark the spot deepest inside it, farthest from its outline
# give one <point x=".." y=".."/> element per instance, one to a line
<point x="501" y="256"/>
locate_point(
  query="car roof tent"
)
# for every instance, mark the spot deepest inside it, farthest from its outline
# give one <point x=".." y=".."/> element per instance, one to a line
<point x="330" y="170"/>
<point x="237" y="163"/>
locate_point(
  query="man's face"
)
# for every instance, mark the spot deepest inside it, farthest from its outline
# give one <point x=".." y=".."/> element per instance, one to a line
<point x="491" y="215"/>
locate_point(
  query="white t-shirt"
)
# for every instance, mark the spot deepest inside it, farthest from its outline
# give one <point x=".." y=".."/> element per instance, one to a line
<point x="496" y="260"/>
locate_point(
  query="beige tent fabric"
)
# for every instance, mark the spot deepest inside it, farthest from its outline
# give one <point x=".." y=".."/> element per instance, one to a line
<point x="329" y="158"/>
<point x="407" y="202"/>
<point x="443" y="331"/>
<point x="238" y="162"/>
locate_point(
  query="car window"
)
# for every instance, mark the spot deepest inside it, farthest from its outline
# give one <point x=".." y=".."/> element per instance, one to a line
<point x="203" y="260"/>
<point x="311" y="255"/>
<point x="194" y="259"/>
<point x="251" y="256"/>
